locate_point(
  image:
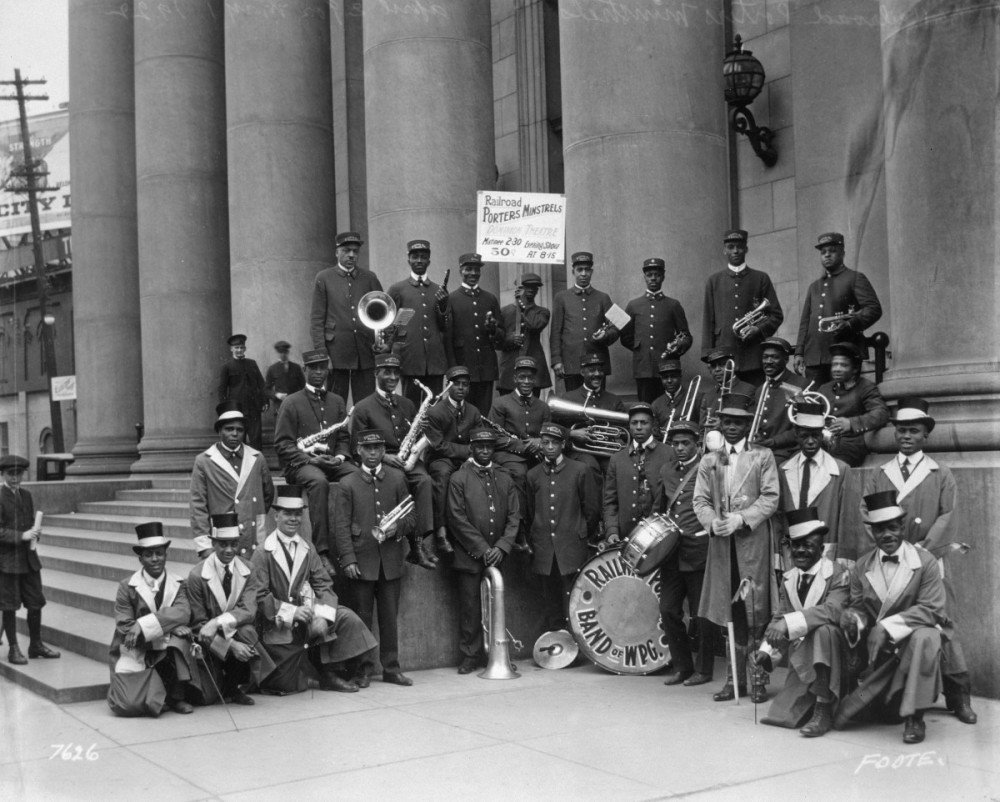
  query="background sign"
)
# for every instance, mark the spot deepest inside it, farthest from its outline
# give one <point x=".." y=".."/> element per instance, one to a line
<point x="64" y="388"/>
<point x="50" y="145"/>
<point x="521" y="227"/>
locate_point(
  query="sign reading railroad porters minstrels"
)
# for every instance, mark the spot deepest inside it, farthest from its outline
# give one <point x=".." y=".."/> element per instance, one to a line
<point x="521" y="227"/>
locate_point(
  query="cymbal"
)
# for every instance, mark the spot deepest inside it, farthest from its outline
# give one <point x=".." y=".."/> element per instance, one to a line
<point x="555" y="649"/>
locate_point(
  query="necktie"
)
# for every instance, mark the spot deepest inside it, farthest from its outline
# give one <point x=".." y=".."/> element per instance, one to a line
<point x="804" y="483"/>
<point x="421" y="282"/>
<point x="458" y="411"/>
<point x="158" y="599"/>
<point x="805" y="582"/>
<point x="227" y="582"/>
<point x="732" y="450"/>
<point x="288" y="554"/>
<point x="905" y="469"/>
<point x="894" y="558"/>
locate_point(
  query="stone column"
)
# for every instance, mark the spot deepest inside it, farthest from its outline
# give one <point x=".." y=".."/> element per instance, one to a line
<point x="183" y="229"/>
<point x="429" y="129"/>
<point x="106" y="282"/>
<point x="282" y="204"/>
<point x="644" y="147"/>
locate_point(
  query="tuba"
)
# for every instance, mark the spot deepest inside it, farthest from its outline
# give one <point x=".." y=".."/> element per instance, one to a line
<point x="496" y="638"/>
<point x="752" y="318"/>
<point x="602" y="439"/>
<point x="377" y="311"/>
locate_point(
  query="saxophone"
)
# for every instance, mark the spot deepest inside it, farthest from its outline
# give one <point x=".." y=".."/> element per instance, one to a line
<point x="310" y="444"/>
<point x="406" y="447"/>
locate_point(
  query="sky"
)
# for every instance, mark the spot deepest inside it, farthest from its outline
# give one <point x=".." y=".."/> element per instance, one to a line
<point x="33" y="38"/>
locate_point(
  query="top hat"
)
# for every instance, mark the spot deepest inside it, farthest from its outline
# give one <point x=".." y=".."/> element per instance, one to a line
<point x="150" y="536"/>
<point x="289" y="497"/>
<point x="227" y="411"/>
<point x="882" y="506"/>
<point x="349" y="238"/>
<point x="913" y="410"/>
<point x="418" y="245"/>
<point x="809" y="415"/>
<point x="736" y="405"/>
<point x="225" y="526"/>
<point x="830" y="238"/>
<point x="804" y="522"/>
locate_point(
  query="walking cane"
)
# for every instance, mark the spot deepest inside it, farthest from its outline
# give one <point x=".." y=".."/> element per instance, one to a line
<point x="199" y="654"/>
<point x="741" y="593"/>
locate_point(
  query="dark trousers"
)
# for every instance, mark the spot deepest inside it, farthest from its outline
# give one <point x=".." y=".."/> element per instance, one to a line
<point x="517" y="469"/>
<point x="573" y="381"/>
<point x="254" y="431"/>
<point x="470" y="614"/>
<point x="316" y="482"/>
<point x="818" y="373"/>
<point x="675" y="586"/>
<point x="648" y="390"/>
<point x="481" y="396"/>
<point x="415" y="394"/>
<point x="364" y="594"/>
<point x="556" y="588"/>
<point x="361" y="382"/>
<point x="421" y="487"/>
<point x="234" y="673"/>
<point x="440" y="471"/>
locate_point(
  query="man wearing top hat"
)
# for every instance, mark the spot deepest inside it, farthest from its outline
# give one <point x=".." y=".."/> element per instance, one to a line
<point x="20" y="568"/>
<point x="736" y="492"/>
<point x="522" y="414"/>
<point x="370" y="549"/>
<point x="302" y="627"/>
<point x="633" y="473"/>
<point x="731" y="294"/>
<point x="476" y="332"/>
<point x="711" y="397"/>
<point x="657" y="329"/>
<point x="671" y="400"/>
<point x="222" y="592"/>
<point x="927" y="493"/>
<point x="811" y="477"/>
<point x="483" y="518"/>
<point x="779" y="387"/>
<point x="284" y="377"/>
<point x="449" y="423"/>
<point x="393" y="416"/>
<point x="840" y="291"/>
<point x="682" y="574"/>
<point x="333" y="321"/>
<point x="420" y="345"/>
<point x="240" y="381"/>
<point x="805" y="630"/>
<point x="152" y="613"/>
<point x="578" y="324"/>
<point x="230" y="476"/>
<point x="562" y="512"/>
<point x="856" y="405"/>
<point x="897" y="621"/>
<point x="523" y="324"/>
<point x="306" y="413"/>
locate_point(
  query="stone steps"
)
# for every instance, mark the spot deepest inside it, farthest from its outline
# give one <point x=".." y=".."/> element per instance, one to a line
<point x="153" y="510"/>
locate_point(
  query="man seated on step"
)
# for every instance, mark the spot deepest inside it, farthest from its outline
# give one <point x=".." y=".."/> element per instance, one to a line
<point x="152" y="613"/>
<point x="20" y="568"/>
<point x="298" y="616"/>
<point x="223" y="594"/>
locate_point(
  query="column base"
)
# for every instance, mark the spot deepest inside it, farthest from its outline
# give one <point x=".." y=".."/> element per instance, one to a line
<point x="170" y="453"/>
<point x="101" y="457"/>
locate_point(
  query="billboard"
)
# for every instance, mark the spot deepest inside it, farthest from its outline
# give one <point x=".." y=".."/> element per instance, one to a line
<point x="50" y="145"/>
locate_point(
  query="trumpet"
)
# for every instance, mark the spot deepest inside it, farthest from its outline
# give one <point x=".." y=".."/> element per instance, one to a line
<point x="393" y="517"/>
<point x="828" y="325"/>
<point x="312" y="443"/>
<point x="741" y="328"/>
<point x="675" y="345"/>
<point x="600" y="439"/>
<point x="377" y="311"/>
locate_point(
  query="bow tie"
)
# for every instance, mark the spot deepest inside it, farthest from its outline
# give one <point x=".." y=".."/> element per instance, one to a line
<point x="377" y="475"/>
<point x="388" y="400"/>
<point x="654" y="296"/>
<point x="582" y="290"/>
<point x="473" y="292"/>
<point x="525" y="399"/>
<point x="349" y="273"/>
<point x="237" y="454"/>
<point x="637" y="448"/>
<point x="483" y="471"/>
<point x="422" y="282"/>
<point x="893" y="558"/>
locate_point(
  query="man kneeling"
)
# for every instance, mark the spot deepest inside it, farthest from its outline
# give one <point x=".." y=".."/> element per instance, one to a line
<point x="806" y="629"/>
<point x="297" y="609"/>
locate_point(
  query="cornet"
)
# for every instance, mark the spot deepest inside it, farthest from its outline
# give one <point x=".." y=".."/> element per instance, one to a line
<point x="751" y="319"/>
<point x="377" y="311"/>
<point x="829" y="324"/>
<point x="393" y="517"/>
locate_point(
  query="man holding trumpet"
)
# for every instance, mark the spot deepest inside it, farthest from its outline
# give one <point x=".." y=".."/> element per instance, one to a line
<point x="374" y="514"/>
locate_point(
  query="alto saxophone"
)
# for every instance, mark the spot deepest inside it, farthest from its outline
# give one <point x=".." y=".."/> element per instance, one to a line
<point x="413" y="445"/>
<point x="312" y="443"/>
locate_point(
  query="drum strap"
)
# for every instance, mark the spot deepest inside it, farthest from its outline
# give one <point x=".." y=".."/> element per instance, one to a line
<point x="680" y="487"/>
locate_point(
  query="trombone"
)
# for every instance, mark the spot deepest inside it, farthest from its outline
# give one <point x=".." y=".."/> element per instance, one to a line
<point x="687" y="406"/>
<point x="713" y="438"/>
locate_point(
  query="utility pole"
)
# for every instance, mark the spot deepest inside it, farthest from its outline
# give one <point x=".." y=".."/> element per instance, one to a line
<point x="30" y="176"/>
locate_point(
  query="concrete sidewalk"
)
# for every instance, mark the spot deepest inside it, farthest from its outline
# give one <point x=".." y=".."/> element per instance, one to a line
<point x="573" y="734"/>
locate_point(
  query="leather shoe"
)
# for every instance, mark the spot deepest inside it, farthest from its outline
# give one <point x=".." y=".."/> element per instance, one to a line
<point x="417" y="556"/>
<point x="960" y="705"/>
<point x="697" y="679"/>
<point x="397" y="678"/>
<point x="241" y="698"/>
<point x="758" y="694"/>
<point x="468" y="665"/>
<point x="727" y="694"/>
<point x="362" y="680"/>
<point x="441" y="541"/>
<point x="677" y="678"/>
<point x="41" y="650"/>
<point x="16" y="656"/>
<point x="914" y="729"/>
<point x="331" y="682"/>
<point x="821" y="722"/>
<point x="180" y="706"/>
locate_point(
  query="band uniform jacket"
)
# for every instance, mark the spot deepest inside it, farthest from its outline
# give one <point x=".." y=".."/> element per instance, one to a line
<point x="472" y="344"/>
<point x="17" y="516"/>
<point x="333" y="320"/>
<point x="283" y="377"/>
<point x="754" y="494"/>
<point x="928" y="498"/>
<point x="576" y="314"/>
<point x="240" y="380"/>
<point x="692" y="551"/>
<point x="216" y="488"/>
<point x="136" y="602"/>
<point x="728" y="297"/>
<point x="420" y="345"/>
<point x="863" y="406"/>
<point x="630" y="485"/>
<point x="483" y="513"/>
<point x="666" y="404"/>
<point x="827" y="296"/>
<point x="775" y="430"/>
<point x="523" y="418"/>
<point x="827" y="477"/>
<point x="362" y="501"/>
<point x="563" y="509"/>
<point x="533" y="320"/>
<point x="448" y="432"/>
<point x="305" y="413"/>
<point x="392" y="417"/>
<point x="654" y="323"/>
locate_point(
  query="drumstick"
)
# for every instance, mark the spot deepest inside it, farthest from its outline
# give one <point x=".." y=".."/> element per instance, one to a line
<point x="38" y="525"/>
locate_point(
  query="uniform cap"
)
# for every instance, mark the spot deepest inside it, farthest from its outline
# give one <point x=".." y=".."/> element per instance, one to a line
<point x="830" y="238"/>
<point x="349" y="238"/>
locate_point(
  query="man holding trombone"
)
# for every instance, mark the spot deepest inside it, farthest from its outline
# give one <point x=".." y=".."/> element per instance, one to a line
<point x="772" y="427"/>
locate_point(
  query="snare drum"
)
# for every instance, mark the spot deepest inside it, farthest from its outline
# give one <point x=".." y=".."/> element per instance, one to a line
<point x="651" y="542"/>
<point x="615" y="616"/>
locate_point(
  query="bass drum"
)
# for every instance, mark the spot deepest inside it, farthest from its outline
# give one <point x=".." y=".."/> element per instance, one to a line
<point x="650" y="543"/>
<point x="615" y="616"/>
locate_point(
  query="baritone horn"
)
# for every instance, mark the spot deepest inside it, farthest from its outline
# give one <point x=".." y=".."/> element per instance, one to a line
<point x="496" y="638"/>
<point x="752" y="318"/>
<point x="601" y="439"/>
<point x="377" y="311"/>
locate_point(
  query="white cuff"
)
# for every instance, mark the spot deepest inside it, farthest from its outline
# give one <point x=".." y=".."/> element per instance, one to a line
<point x="202" y="543"/>
<point x="797" y="627"/>
<point x="227" y="621"/>
<point x="285" y="614"/>
<point x="151" y="629"/>
<point x="897" y="628"/>
<point x="326" y="612"/>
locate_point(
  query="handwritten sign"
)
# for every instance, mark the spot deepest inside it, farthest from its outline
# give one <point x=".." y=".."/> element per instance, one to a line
<point x="521" y="227"/>
<point x="64" y="388"/>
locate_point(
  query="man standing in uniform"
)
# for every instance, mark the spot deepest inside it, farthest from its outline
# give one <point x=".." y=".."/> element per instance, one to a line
<point x="240" y="381"/>
<point x="729" y="295"/>
<point x="523" y="324"/>
<point x="476" y="332"/>
<point x="283" y="377"/>
<point x="420" y="346"/>
<point x="578" y="325"/>
<point x="781" y="386"/>
<point x="671" y="401"/>
<point x="333" y="321"/>
<point x="841" y="291"/>
<point x="658" y="329"/>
